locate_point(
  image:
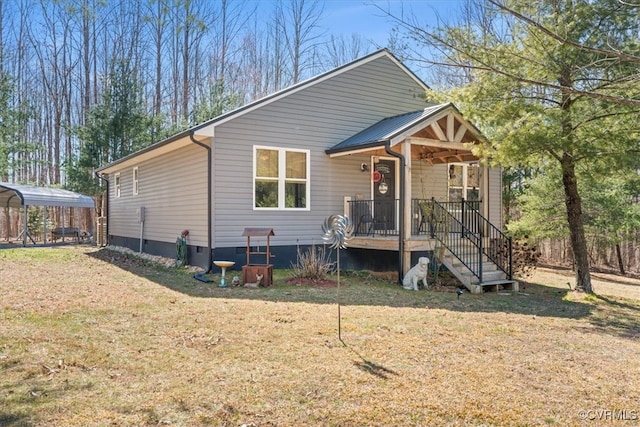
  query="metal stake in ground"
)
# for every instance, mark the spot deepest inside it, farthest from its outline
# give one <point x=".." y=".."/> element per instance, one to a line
<point x="337" y="230"/>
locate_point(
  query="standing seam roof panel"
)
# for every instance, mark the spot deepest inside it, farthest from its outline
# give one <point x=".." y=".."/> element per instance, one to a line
<point x="386" y="128"/>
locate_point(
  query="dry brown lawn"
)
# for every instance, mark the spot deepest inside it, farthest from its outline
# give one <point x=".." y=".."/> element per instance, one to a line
<point x="91" y="337"/>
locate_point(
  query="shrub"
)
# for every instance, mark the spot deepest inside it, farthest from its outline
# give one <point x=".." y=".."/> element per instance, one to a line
<point x="35" y="221"/>
<point x="312" y="264"/>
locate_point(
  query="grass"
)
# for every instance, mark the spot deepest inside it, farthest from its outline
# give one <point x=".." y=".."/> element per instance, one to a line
<point x="91" y="337"/>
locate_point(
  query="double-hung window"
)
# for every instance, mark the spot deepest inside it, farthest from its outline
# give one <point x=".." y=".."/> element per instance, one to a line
<point x="281" y="178"/>
<point x="464" y="182"/>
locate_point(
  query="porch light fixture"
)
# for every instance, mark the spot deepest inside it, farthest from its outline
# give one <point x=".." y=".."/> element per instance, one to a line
<point x="364" y="167"/>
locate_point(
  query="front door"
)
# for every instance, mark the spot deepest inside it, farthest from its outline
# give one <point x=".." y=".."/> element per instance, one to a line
<point x="384" y="194"/>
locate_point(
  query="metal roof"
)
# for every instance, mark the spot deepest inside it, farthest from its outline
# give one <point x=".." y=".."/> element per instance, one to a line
<point x="17" y="195"/>
<point x="385" y="129"/>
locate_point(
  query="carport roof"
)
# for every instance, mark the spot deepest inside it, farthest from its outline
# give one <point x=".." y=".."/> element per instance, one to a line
<point x="17" y="195"/>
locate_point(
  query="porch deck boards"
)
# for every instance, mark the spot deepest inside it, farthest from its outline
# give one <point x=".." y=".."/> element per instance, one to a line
<point x="390" y="243"/>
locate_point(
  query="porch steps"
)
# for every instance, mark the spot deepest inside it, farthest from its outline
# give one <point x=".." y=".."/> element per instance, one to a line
<point x="500" y="285"/>
<point x="494" y="279"/>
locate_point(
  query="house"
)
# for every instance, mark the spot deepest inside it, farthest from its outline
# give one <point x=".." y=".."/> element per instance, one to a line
<point x="360" y="140"/>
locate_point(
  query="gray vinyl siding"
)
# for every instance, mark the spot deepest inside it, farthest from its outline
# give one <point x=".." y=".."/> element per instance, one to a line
<point x="429" y="181"/>
<point x="173" y="191"/>
<point x="315" y="118"/>
<point x="359" y="183"/>
<point x="495" y="197"/>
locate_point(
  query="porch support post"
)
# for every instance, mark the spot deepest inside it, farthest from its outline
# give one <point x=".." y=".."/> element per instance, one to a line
<point x="401" y="224"/>
<point x="406" y="202"/>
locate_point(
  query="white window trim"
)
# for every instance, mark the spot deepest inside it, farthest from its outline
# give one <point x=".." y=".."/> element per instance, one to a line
<point x="135" y="177"/>
<point x="465" y="173"/>
<point x="282" y="178"/>
<point x="396" y="178"/>
<point x="117" y="184"/>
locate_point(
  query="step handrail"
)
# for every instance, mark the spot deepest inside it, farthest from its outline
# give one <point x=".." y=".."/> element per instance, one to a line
<point x="441" y="223"/>
<point x="475" y="228"/>
<point x="500" y="248"/>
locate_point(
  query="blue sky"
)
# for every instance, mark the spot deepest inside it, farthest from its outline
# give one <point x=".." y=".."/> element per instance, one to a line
<point x="362" y="17"/>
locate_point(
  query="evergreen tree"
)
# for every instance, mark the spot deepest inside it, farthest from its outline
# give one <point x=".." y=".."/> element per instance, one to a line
<point x="116" y="127"/>
<point x="215" y="102"/>
<point x="610" y="205"/>
<point x="554" y="85"/>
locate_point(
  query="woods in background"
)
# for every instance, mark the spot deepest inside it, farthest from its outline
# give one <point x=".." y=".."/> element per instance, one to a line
<point x="553" y="85"/>
<point x="85" y="82"/>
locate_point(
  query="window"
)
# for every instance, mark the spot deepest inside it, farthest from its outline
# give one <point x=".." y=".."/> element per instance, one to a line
<point x="116" y="178"/>
<point x="281" y="178"/>
<point x="464" y="182"/>
<point x="135" y="181"/>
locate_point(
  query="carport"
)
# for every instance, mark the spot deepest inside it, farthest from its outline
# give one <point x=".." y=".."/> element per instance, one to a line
<point x="22" y="196"/>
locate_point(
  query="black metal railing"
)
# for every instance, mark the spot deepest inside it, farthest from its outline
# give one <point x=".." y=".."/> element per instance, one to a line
<point x="458" y="226"/>
<point x="447" y="229"/>
<point x="374" y="217"/>
<point x="499" y="247"/>
<point x="467" y="234"/>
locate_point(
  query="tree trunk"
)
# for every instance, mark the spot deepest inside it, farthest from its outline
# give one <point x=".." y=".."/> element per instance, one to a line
<point x="186" y="57"/>
<point x="158" y="52"/>
<point x="619" y="255"/>
<point x="7" y="222"/>
<point x="576" y="226"/>
<point x="86" y="62"/>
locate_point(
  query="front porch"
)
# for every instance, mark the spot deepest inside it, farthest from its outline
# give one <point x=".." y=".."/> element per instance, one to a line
<point x="428" y="153"/>
<point x="472" y="248"/>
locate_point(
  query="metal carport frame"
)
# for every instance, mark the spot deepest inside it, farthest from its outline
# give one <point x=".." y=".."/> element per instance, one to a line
<point x="17" y="196"/>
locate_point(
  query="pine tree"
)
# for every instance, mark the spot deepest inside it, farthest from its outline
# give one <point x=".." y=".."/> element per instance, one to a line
<point x="552" y="84"/>
<point x="116" y="127"/>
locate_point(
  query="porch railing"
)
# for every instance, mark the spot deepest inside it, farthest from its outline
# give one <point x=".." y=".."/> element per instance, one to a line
<point x="458" y="226"/>
<point x="460" y="210"/>
<point x="468" y="235"/>
<point x="374" y="217"/>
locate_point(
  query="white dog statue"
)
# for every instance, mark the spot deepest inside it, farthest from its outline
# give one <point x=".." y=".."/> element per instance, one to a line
<point x="417" y="273"/>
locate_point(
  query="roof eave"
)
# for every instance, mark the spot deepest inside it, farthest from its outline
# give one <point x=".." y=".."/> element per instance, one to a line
<point x="337" y="152"/>
<point x="152" y="147"/>
<point x="401" y="134"/>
